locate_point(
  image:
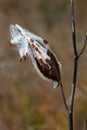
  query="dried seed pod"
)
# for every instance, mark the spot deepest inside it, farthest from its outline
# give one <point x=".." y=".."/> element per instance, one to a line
<point x="43" y="59"/>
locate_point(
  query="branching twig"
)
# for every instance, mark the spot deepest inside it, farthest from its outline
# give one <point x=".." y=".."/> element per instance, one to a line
<point x="75" y="67"/>
<point x="76" y="57"/>
<point x="84" y="45"/>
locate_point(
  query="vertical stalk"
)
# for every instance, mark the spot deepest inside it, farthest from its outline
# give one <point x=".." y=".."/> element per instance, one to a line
<point x="75" y="67"/>
<point x="76" y="57"/>
<point x="71" y="121"/>
<point x="73" y="94"/>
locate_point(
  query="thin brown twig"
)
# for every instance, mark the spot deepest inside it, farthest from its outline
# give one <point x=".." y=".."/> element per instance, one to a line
<point x="64" y="99"/>
<point x="84" y="45"/>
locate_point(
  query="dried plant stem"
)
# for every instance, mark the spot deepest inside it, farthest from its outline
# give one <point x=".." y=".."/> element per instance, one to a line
<point x="76" y="58"/>
<point x="64" y="99"/>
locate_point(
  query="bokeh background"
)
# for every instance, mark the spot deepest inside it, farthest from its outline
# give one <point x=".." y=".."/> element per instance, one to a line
<point x="26" y="101"/>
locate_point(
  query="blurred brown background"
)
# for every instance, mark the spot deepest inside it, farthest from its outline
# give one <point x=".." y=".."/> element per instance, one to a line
<point x="26" y="101"/>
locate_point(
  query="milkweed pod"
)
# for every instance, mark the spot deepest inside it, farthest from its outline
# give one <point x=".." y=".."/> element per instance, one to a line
<point x="42" y="57"/>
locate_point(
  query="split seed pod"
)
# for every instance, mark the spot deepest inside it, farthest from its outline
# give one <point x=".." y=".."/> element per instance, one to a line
<point x="43" y="59"/>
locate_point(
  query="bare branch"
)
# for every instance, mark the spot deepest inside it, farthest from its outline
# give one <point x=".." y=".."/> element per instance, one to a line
<point x="73" y="28"/>
<point x="76" y="58"/>
<point x="84" y="45"/>
<point x="73" y="89"/>
<point x="75" y="55"/>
